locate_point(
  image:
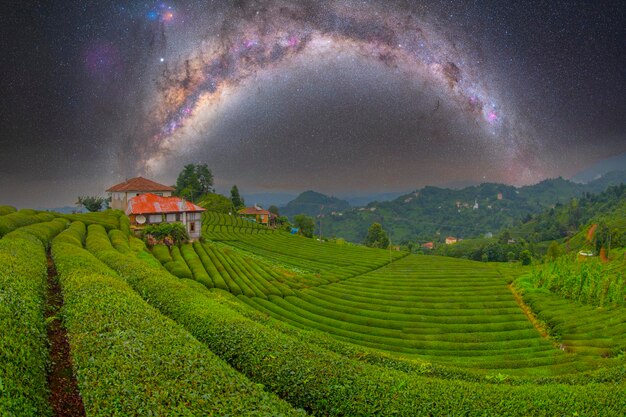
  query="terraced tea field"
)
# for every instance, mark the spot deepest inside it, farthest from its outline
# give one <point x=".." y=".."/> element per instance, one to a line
<point x="246" y="327"/>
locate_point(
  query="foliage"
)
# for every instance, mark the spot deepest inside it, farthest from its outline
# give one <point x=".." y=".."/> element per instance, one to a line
<point x="376" y="237"/>
<point x="194" y="181"/>
<point x="4" y="210"/>
<point x="588" y="281"/>
<point x="236" y="200"/>
<point x="554" y="251"/>
<point x="326" y="383"/>
<point x="91" y="203"/>
<point x="431" y="212"/>
<point x="130" y="360"/>
<point x="216" y="203"/>
<point x="23" y="340"/>
<point x="274" y="209"/>
<point x="21" y="218"/>
<point x="305" y="223"/>
<point x="169" y="233"/>
<point x="525" y="257"/>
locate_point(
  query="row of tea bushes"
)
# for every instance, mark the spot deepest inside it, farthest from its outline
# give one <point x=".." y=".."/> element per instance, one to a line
<point x="23" y="340"/>
<point x="326" y="383"/>
<point x="130" y="360"/>
<point x="24" y="217"/>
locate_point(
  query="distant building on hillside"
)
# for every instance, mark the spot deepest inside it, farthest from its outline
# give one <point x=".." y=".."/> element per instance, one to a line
<point x="499" y="196"/>
<point x="147" y="209"/>
<point x="475" y="204"/>
<point x="259" y="215"/>
<point x="450" y="240"/>
<point x="124" y="191"/>
<point x="428" y="245"/>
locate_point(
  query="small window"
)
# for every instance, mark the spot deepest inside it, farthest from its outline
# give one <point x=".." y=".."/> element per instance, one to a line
<point x="192" y="227"/>
<point x="177" y="217"/>
<point x="136" y="194"/>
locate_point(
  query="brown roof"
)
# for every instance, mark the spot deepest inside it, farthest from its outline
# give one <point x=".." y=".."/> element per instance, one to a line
<point x="150" y="203"/>
<point x="253" y="210"/>
<point x="139" y="184"/>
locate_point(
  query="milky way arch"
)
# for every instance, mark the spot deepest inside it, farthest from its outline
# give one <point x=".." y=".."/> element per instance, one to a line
<point x="265" y="37"/>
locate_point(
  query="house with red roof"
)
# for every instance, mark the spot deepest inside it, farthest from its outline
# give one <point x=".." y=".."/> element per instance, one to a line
<point x="147" y="209"/>
<point x="258" y="214"/>
<point x="122" y="192"/>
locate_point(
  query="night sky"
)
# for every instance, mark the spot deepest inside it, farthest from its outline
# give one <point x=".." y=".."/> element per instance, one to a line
<point x="343" y="97"/>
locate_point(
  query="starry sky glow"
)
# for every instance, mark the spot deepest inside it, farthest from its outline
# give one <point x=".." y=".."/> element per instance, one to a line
<point x="276" y="95"/>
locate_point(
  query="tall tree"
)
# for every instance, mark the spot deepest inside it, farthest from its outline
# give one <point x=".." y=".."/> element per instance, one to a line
<point x="236" y="198"/>
<point x="194" y="181"/>
<point x="273" y="209"/>
<point x="305" y="223"/>
<point x="91" y="203"/>
<point x="376" y="237"/>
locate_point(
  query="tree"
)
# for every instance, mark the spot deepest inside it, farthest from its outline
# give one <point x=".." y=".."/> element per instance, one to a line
<point x="236" y="199"/>
<point x="194" y="181"/>
<point x="305" y="223"/>
<point x="273" y="209"/>
<point x="525" y="257"/>
<point x="376" y="237"/>
<point x="554" y="251"/>
<point x="91" y="203"/>
<point x="216" y="202"/>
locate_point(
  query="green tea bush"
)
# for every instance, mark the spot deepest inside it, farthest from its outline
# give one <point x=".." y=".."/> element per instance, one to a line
<point x="130" y="360"/>
<point x="23" y="339"/>
<point x="4" y="210"/>
<point x="109" y="219"/>
<point x="22" y="218"/>
<point x="195" y="265"/>
<point x="325" y="383"/>
<point x="44" y="232"/>
<point x="125" y="224"/>
<point x="119" y="240"/>
<point x="162" y="253"/>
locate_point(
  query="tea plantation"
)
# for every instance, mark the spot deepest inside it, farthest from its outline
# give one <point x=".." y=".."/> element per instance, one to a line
<point x="258" y="322"/>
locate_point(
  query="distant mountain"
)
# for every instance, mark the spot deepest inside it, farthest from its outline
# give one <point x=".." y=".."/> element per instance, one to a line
<point x="610" y="178"/>
<point x="432" y="213"/>
<point x="64" y="209"/>
<point x="600" y="168"/>
<point x="267" y="199"/>
<point x="357" y="201"/>
<point x="313" y="203"/>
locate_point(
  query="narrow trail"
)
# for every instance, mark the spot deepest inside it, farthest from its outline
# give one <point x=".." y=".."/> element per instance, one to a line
<point x="65" y="399"/>
<point x="530" y="315"/>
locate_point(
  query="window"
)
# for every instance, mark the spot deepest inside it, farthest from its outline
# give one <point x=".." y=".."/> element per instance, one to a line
<point x="177" y="217"/>
<point x="171" y="218"/>
<point x="192" y="227"/>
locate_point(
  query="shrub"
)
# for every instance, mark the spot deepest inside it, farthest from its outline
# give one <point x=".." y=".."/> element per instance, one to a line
<point x="119" y="240"/>
<point x="23" y="339"/>
<point x="175" y="232"/>
<point x="4" y="210"/>
<point x="326" y="383"/>
<point x="130" y="360"/>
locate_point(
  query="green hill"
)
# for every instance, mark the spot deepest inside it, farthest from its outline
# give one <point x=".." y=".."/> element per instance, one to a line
<point x="313" y="203"/>
<point x="433" y="213"/>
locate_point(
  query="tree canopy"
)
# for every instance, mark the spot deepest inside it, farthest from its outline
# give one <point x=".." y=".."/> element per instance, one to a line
<point x="236" y="198"/>
<point x="305" y="223"/>
<point x="91" y="203"/>
<point x="194" y="181"/>
<point x="216" y="202"/>
<point x="376" y="237"/>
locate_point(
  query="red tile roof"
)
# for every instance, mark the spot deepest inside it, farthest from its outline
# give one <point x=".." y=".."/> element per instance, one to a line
<point x="139" y="184"/>
<point x="150" y="203"/>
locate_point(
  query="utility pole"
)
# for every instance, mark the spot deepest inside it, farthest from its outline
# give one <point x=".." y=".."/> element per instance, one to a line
<point x="320" y="216"/>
